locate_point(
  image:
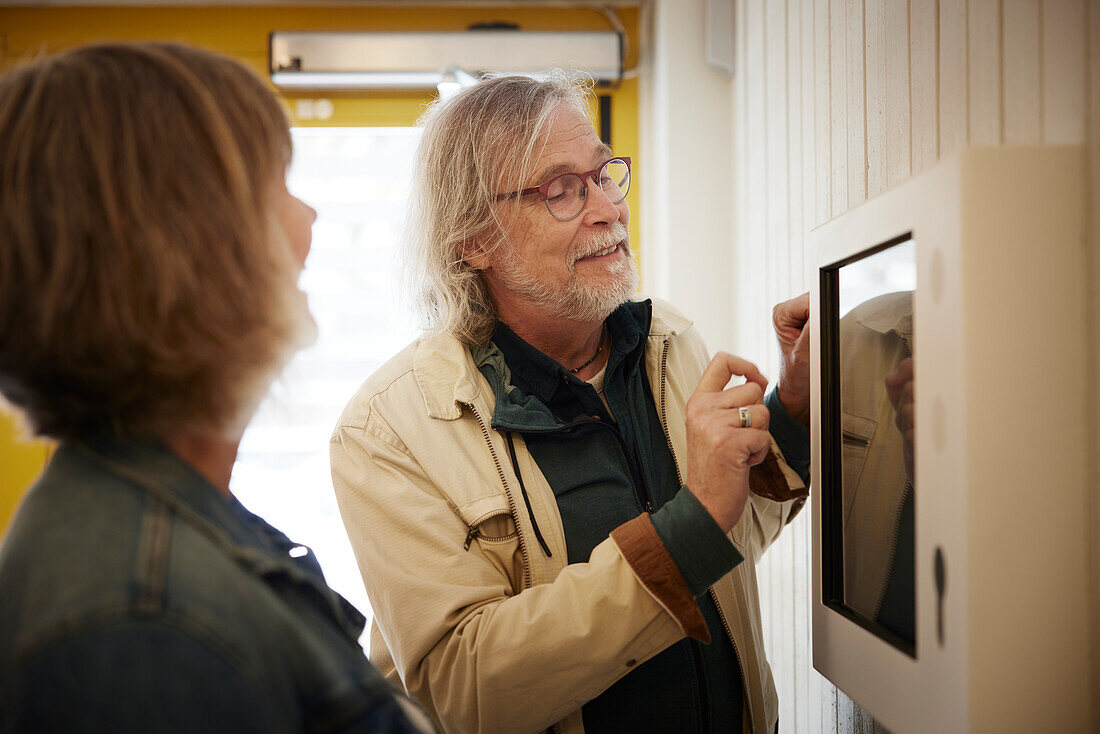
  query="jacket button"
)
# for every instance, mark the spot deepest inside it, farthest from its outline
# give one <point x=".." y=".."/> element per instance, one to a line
<point x="631" y="663"/>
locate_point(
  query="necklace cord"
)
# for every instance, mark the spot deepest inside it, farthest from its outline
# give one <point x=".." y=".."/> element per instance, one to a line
<point x="599" y="348"/>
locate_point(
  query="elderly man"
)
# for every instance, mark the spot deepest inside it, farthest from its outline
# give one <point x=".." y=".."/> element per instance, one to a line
<point x="556" y="502"/>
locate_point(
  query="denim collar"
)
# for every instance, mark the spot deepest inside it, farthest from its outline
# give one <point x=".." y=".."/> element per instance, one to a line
<point x="163" y="474"/>
<point x="244" y="536"/>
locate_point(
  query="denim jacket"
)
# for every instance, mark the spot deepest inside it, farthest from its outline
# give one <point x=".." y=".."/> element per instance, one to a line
<point x="134" y="596"/>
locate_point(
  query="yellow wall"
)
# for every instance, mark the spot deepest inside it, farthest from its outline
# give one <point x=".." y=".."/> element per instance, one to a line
<point x="242" y="32"/>
<point x="20" y="462"/>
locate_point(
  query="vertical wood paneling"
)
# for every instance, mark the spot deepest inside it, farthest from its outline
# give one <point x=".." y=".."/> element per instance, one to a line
<point x="778" y="268"/>
<point x="794" y="676"/>
<point x="743" y="184"/>
<point x="845" y="713"/>
<point x="984" y="67"/>
<point x="1093" y="131"/>
<point x="838" y="101"/>
<point x="756" y="183"/>
<point x="1021" y="71"/>
<point x="822" y="176"/>
<point x="898" y="125"/>
<point x="778" y="248"/>
<point x="809" y="118"/>
<point x="841" y="98"/>
<point x="830" y="710"/>
<point x="1063" y="55"/>
<point x="808" y="687"/>
<point x="874" y="64"/>
<point x="857" y="126"/>
<point x="795" y="164"/>
<point x="952" y="75"/>
<point x="923" y="64"/>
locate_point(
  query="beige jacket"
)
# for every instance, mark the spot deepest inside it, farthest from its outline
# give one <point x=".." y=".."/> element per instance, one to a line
<point x="874" y="337"/>
<point x="484" y="629"/>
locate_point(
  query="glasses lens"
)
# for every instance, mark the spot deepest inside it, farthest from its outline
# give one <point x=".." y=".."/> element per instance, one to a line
<point x="615" y="180"/>
<point x="564" y="197"/>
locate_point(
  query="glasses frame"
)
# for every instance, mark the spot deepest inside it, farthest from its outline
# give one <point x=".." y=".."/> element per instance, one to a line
<point x="542" y="188"/>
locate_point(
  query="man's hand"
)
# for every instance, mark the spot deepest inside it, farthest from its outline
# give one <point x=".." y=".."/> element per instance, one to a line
<point x="790" y="319"/>
<point x="720" y="451"/>
<point x="900" y="390"/>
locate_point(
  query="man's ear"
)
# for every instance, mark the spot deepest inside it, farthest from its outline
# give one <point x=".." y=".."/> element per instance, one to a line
<point x="474" y="254"/>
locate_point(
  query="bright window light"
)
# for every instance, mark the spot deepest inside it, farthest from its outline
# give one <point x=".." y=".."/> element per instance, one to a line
<point x="358" y="181"/>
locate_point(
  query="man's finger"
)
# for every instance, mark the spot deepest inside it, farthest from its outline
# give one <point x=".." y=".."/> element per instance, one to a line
<point x="760" y="443"/>
<point x="794" y="312"/>
<point x="734" y="397"/>
<point x="724" y="366"/>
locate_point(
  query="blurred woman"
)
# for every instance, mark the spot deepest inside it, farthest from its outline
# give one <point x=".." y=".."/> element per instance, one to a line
<point x="149" y="256"/>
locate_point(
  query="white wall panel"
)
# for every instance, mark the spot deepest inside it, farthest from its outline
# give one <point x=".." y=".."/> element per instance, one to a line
<point x="898" y="120"/>
<point x="923" y="82"/>
<point x="952" y="75"/>
<point x="984" y="71"/>
<point x="1063" y="25"/>
<point x="1021" y="72"/>
<point x="874" y="67"/>
<point x="822" y="169"/>
<point x="778" y="142"/>
<point x="838" y="100"/>
<point x="1093" y="134"/>
<point x="751" y="277"/>
<point x="857" y="124"/>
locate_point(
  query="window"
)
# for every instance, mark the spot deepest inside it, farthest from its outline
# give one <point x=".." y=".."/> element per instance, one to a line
<point x="358" y="181"/>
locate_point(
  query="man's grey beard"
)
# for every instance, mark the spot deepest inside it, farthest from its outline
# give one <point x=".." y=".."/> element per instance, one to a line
<point x="578" y="300"/>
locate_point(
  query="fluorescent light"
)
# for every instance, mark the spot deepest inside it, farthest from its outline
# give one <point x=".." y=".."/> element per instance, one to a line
<point x="354" y="79"/>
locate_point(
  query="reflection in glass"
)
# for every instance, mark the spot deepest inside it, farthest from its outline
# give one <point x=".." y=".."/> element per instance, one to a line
<point x="877" y="419"/>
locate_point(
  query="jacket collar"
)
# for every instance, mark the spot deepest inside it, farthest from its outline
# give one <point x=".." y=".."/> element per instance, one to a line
<point x="446" y="371"/>
<point x="159" y="471"/>
<point x="246" y="537"/>
<point x="892" y="312"/>
<point x="667" y="321"/>
<point x="446" y="375"/>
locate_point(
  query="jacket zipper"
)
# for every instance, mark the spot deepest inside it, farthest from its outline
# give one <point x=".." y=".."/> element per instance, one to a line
<point x="507" y="493"/>
<point x="714" y="597"/>
<point x="476" y="524"/>
<point x="855" y="438"/>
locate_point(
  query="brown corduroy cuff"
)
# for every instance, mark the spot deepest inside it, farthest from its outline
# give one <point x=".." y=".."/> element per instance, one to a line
<point x="653" y="565"/>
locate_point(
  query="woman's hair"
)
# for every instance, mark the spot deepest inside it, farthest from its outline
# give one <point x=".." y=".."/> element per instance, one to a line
<point x="474" y="145"/>
<point x="145" y="284"/>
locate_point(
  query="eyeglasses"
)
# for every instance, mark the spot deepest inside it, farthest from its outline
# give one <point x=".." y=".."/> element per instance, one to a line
<point x="566" y="194"/>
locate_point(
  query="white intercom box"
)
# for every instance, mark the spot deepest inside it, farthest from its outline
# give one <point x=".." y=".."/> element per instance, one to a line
<point x="950" y="447"/>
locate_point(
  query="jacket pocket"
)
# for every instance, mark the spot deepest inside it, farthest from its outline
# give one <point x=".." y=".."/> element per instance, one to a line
<point x="856" y="436"/>
<point x="492" y="533"/>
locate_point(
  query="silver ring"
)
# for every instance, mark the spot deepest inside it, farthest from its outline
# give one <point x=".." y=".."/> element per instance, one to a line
<point x="746" y="417"/>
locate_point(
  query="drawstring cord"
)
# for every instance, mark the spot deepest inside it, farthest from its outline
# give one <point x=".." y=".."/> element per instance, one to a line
<point x="526" y="499"/>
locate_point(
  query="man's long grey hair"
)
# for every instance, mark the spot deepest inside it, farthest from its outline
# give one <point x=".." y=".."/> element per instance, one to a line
<point x="477" y="144"/>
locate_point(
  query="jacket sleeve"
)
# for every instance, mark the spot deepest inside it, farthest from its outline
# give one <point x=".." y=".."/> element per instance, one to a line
<point x="478" y="654"/>
<point x="776" y="496"/>
<point x="776" y="492"/>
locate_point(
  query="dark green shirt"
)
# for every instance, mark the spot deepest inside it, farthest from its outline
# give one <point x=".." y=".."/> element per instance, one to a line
<point x="605" y="468"/>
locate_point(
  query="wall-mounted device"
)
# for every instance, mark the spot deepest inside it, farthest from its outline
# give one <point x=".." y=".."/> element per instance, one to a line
<point x="950" y="447"/>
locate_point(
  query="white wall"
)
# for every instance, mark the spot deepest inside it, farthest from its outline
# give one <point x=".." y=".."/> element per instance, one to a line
<point x="833" y="101"/>
<point x="688" y="221"/>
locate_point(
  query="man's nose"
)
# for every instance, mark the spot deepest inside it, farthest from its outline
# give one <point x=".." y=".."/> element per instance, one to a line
<point x="598" y="207"/>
